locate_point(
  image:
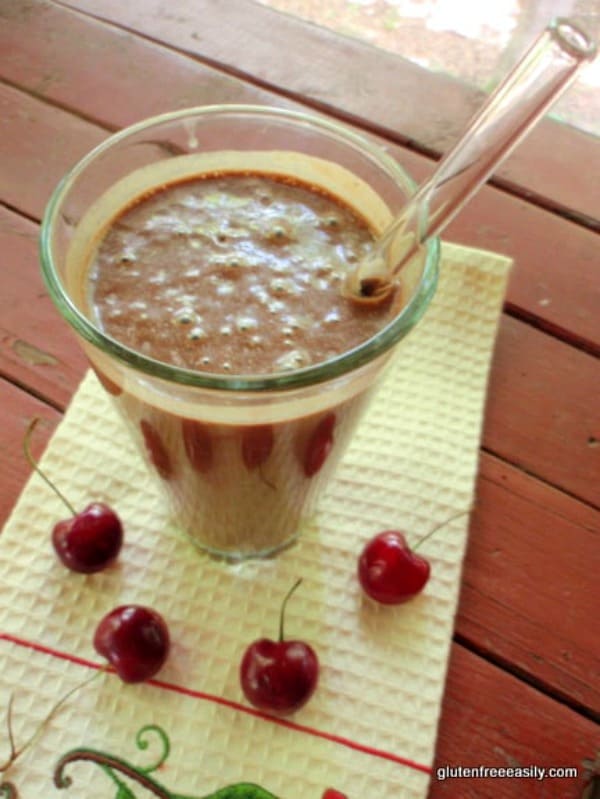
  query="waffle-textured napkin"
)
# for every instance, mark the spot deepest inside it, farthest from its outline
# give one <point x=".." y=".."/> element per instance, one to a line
<point x="370" y="729"/>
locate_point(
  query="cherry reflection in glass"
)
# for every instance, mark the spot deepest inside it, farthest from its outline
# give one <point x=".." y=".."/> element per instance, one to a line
<point x="237" y="489"/>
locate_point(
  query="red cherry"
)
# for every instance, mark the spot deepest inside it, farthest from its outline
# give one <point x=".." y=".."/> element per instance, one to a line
<point x="135" y="641"/>
<point x="257" y="445"/>
<point x="331" y="793"/>
<point x="319" y="445"/>
<point x="279" y="676"/>
<point x="90" y="540"/>
<point x="389" y="571"/>
<point x="157" y="452"/>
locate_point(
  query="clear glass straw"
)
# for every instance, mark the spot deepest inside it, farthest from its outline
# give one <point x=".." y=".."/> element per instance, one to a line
<point x="532" y="86"/>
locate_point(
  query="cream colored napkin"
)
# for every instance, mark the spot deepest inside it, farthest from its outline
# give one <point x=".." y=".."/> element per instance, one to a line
<point x="370" y="729"/>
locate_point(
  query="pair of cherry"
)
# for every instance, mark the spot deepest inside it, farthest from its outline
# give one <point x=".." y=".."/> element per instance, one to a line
<point x="282" y="675"/>
<point x="133" y="638"/>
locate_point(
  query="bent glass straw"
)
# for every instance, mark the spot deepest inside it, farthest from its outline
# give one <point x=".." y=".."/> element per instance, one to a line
<point x="532" y="86"/>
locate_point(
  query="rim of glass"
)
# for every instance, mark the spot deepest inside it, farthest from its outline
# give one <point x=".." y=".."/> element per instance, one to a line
<point x="314" y="373"/>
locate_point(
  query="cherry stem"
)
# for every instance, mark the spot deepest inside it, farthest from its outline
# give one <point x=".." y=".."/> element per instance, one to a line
<point x="440" y="525"/>
<point x="16" y="752"/>
<point x="34" y="465"/>
<point x="11" y="738"/>
<point x="283" y="604"/>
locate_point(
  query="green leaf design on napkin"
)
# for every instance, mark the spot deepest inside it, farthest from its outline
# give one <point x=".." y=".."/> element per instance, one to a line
<point x="243" y="790"/>
<point x="116" y="769"/>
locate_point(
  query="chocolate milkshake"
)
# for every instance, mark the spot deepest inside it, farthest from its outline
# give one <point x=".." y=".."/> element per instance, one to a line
<point x="206" y="286"/>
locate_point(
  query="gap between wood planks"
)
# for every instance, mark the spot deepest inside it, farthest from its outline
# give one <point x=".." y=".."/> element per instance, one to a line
<point x="530" y="473"/>
<point x="525" y="676"/>
<point x="38" y="395"/>
<point x="555" y="331"/>
<point x="68" y="109"/>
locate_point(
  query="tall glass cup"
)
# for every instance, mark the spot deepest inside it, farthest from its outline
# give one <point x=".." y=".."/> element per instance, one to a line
<point x="242" y="458"/>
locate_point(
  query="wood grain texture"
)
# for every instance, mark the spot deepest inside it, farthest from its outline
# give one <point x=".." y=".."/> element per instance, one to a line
<point x="528" y="594"/>
<point x="17" y="408"/>
<point x="37" y="349"/>
<point x="564" y="302"/>
<point x="38" y="145"/>
<point x="58" y="54"/>
<point x="359" y="82"/>
<point x="490" y="718"/>
<point x="542" y="409"/>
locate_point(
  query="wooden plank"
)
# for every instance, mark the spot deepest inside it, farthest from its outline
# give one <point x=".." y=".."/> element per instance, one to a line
<point x="17" y="408"/>
<point x="554" y="281"/>
<point x="36" y="348"/>
<point x="362" y="83"/>
<point x="529" y="584"/>
<point x="54" y="53"/>
<point x="490" y="718"/>
<point x="542" y="409"/>
<point x="38" y="145"/>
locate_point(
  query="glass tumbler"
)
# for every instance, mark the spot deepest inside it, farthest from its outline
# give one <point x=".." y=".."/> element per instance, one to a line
<point x="241" y="458"/>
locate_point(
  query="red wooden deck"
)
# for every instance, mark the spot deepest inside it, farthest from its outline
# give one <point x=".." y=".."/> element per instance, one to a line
<point x="523" y="683"/>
